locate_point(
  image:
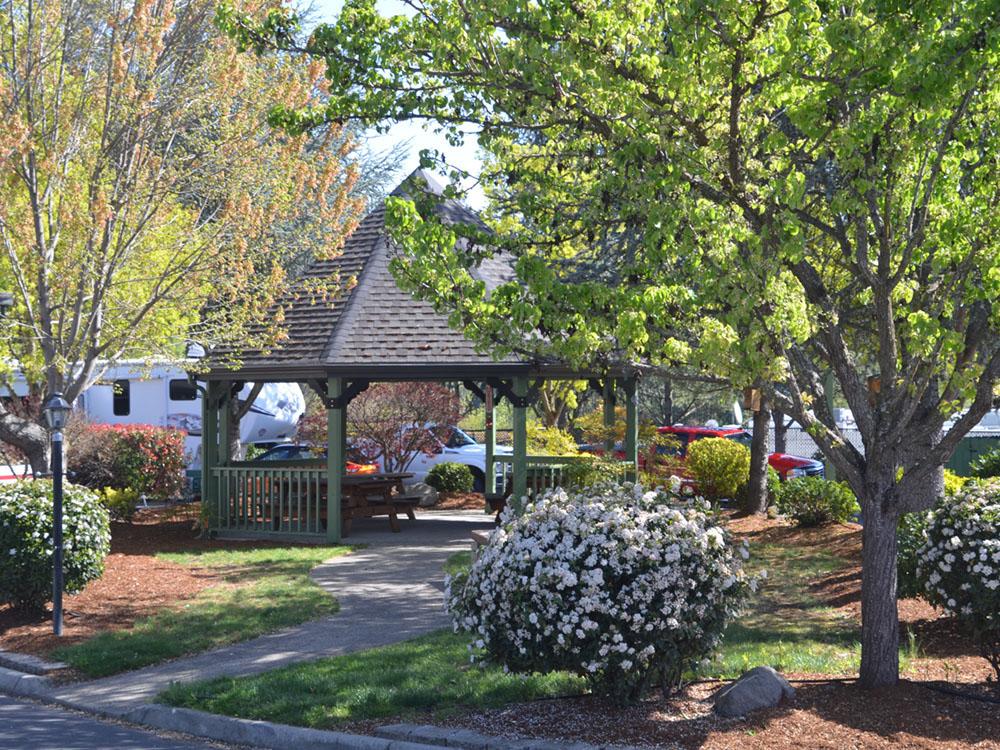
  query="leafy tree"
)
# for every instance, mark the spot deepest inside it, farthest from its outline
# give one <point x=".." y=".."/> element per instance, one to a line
<point x="776" y="190"/>
<point x="145" y="201"/>
<point x="395" y="422"/>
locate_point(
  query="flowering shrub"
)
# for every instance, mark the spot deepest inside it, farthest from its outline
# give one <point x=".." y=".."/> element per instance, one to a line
<point x="121" y="504"/>
<point x="450" y="477"/>
<point x="911" y="534"/>
<point x="26" y="540"/>
<point x="814" y="501"/>
<point x="148" y="460"/>
<point x="959" y="563"/>
<point x="623" y="587"/>
<point x="720" y="467"/>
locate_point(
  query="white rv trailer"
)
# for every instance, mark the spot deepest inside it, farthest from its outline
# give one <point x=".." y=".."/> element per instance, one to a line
<point x="135" y="392"/>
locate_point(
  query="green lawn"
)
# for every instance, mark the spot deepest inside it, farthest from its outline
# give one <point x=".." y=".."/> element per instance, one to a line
<point x="265" y="589"/>
<point x="788" y="627"/>
<point x="427" y="673"/>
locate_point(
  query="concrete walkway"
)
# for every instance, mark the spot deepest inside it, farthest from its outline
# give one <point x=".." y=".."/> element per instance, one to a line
<point x="388" y="592"/>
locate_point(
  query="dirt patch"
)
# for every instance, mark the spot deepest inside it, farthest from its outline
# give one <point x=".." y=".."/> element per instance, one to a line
<point x="824" y="714"/>
<point x="135" y="583"/>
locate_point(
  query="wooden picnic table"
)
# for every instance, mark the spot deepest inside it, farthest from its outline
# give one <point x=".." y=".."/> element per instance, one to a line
<point x="367" y="495"/>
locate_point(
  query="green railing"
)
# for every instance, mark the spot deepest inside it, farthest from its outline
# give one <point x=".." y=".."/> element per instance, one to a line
<point x="278" y="497"/>
<point x="545" y="472"/>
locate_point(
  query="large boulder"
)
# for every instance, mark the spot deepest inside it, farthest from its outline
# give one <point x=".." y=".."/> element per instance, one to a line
<point x="761" y="687"/>
<point x="428" y="495"/>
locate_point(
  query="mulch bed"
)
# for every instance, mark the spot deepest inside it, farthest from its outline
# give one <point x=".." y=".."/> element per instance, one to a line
<point x="135" y="583"/>
<point x="460" y="501"/>
<point x="824" y="714"/>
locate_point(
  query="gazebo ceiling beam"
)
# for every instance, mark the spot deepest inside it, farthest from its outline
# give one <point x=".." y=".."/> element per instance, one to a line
<point x="350" y="392"/>
<point x="506" y="389"/>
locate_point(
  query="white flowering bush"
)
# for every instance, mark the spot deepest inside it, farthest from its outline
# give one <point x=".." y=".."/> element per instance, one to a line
<point x="959" y="563"/>
<point x="26" y="540"/>
<point x="624" y="587"/>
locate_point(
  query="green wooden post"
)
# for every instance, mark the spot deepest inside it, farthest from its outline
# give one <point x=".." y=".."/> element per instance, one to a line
<point x="632" y="425"/>
<point x="490" y="480"/>
<point x="520" y="444"/>
<point x="209" y="452"/>
<point x="225" y="416"/>
<point x="335" y="440"/>
<point x="609" y="414"/>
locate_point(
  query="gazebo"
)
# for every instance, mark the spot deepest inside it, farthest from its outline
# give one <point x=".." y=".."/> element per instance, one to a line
<point x="371" y="331"/>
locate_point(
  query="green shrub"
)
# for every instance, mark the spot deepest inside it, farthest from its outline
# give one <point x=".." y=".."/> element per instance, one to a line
<point x="550" y="441"/>
<point x="588" y="470"/>
<point x="719" y="466"/>
<point x="450" y="477"/>
<point x="26" y="540"/>
<point x="813" y="501"/>
<point x="121" y="504"/>
<point x="953" y="483"/>
<point x="911" y="533"/>
<point x="987" y="464"/>
<point x="149" y="460"/>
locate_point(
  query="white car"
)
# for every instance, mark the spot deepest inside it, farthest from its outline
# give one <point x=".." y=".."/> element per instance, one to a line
<point x="459" y="449"/>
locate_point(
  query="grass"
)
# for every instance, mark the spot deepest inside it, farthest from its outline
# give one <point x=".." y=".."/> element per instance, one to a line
<point x="458" y="562"/>
<point x="264" y="589"/>
<point x="430" y="673"/>
<point x="788" y="627"/>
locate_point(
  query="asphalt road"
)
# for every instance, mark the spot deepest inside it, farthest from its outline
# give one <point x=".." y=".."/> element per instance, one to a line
<point x="31" y="726"/>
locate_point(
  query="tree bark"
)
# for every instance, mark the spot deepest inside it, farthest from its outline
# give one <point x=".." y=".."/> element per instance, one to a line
<point x="756" y="500"/>
<point x="27" y="436"/>
<point x="668" y="401"/>
<point x="780" y="431"/>
<point x="879" y="613"/>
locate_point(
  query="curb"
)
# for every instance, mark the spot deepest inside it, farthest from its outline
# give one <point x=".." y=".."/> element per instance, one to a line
<point x="24" y="684"/>
<point x="470" y="740"/>
<point x="29" y="663"/>
<point x="259" y="733"/>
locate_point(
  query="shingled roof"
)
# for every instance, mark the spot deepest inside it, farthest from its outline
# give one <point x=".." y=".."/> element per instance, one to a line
<point x="371" y="328"/>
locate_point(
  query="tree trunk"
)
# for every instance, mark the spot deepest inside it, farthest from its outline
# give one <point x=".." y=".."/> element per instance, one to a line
<point x="668" y="402"/>
<point x="756" y="500"/>
<point x="780" y="431"/>
<point x="879" y="614"/>
<point x="27" y="436"/>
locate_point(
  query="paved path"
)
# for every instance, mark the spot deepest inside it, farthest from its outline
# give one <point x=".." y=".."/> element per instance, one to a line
<point x="30" y="726"/>
<point x="388" y="592"/>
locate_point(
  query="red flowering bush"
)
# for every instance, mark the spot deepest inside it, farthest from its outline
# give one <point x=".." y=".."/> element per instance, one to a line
<point x="149" y="460"/>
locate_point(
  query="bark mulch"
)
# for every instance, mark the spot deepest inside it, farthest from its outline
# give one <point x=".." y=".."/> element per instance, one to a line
<point x="824" y="714"/>
<point x="460" y="501"/>
<point x="135" y="584"/>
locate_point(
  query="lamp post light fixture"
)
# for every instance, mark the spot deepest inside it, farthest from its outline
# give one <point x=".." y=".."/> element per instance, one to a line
<point x="56" y="412"/>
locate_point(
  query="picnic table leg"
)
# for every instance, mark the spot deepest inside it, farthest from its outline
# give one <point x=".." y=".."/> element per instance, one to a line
<point x="410" y="514"/>
<point x="345" y="526"/>
<point x="393" y="521"/>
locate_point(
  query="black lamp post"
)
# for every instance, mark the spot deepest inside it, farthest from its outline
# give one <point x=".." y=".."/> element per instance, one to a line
<point x="56" y="412"/>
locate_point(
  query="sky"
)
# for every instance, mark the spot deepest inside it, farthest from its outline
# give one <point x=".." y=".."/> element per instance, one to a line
<point x="417" y="135"/>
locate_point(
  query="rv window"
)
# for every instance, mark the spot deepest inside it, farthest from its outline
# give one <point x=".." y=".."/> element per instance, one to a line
<point x="182" y="390"/>
<point x="120" y="401"/>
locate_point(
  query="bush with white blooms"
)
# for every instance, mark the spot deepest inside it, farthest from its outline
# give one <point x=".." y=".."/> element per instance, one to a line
<point x="624" y="587"/>
<point x="26" y="541"/>
<point x="959" y="563"/>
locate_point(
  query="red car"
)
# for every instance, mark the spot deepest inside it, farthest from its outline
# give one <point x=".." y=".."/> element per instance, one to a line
<point x="786" y="465"/>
